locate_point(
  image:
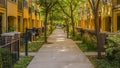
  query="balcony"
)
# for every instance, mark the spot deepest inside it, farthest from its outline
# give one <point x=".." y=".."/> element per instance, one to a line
<point x="2" y="3"/>
<point x="20" y="7"/>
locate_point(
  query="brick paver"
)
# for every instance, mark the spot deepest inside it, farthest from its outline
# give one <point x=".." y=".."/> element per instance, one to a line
<point x="60" y="53"/>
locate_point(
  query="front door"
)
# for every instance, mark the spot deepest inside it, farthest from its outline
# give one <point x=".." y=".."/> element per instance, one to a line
<point x="118" y="23"/>
<point x="108" y="24"/>
<point x="19" y="23"/>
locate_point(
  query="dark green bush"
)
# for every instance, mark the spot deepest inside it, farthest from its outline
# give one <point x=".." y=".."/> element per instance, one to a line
<point x="88" y="44"/>
<point x="113" y="47"/>
<point x="88" y="41"/>
<point x="77" y="37"/>
<point x="5" y="58"/>
<point x="103" y="63"/>
<point x="91" y="45"/>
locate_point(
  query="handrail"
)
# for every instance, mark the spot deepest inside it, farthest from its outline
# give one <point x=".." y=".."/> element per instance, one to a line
<point x="9" y="43"/>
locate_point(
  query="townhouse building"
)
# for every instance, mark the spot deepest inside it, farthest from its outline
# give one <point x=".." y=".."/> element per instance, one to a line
<point x="17" y="15"/>
<point x="116" y="15"/>
<point x="108" y="14"/>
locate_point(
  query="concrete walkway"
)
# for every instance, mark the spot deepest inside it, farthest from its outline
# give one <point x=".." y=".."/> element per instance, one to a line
<point x="60" y="53"/>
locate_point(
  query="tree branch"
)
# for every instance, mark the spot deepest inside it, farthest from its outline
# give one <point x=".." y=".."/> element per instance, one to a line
<point x="53" y="4"/>
<point x="64" y="10"/>
<point x="97" y="7"/>
<point x="92" y="7"/>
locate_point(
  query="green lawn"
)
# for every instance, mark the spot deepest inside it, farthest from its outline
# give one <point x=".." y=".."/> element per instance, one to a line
<point x="32" y="46"/>
<point x="87" y="48"/>
<point x="23" y="62"/>
<point x="39" y="38"/>
<point x="103" y="63"/>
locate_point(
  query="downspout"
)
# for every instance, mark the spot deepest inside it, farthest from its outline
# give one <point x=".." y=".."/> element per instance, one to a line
<point x="6" y="17"/>
<point x="112" y="26"/>
<point x="22" y="16"/>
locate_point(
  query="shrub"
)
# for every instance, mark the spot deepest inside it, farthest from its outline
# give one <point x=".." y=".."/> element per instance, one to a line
<point x="113" y="47"/>
<point x="103" y="63"/>
<point x="11" y="28"/>
<point x="77" y="37"/>
<point x="90" y="44"/>
<point x="5" y="58"/>
<point x="87" y="44"/>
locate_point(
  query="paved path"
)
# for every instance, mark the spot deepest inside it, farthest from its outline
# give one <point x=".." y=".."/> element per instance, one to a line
<point x="60" y="53"/>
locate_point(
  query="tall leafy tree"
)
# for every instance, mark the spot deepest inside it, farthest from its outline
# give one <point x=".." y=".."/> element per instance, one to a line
<point x="68" y="7"/>
<point x="95" y="5"/>
<point x="55" y="15"/>
<point x="47" y="5"/>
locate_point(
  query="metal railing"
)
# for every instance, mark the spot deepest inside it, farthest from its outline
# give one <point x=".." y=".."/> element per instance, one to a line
<point x="13" y="48"/>
<point x="2" y="3"/>
<point x="2" y="41"/>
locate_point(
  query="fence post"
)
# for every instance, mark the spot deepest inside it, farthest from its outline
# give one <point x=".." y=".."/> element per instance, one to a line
<point x="17" y="38"/>
<point x="18" y="46"/>
<point x="26" y="41"/>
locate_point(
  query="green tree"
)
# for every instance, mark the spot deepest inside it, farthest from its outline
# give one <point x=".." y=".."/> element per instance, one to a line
<point x="95" y="5"/>
<point x="47" y="5"/>
<point x="55" y="15"/>
<point x="68" y="7"/>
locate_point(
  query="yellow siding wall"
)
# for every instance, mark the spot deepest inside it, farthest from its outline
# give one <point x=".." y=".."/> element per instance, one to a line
<point x="12" y="9"/>
<point x="33" y="15"/>
<point x="3" y="14"/>
<point x="26" y="14"/>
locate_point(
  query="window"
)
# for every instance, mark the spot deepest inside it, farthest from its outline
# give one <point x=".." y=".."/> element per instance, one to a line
<point x="106" y="1"/>
<point x="118" y="1"/>
<point x="13" y="0"/>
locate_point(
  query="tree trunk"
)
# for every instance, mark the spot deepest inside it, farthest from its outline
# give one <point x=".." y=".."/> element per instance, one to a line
<point x="67" y="28"/>
<point x="45" y="26"/>
<point x="51" y="26"/>
<point x="73" y="25"/>
<point x="51" y="22"/>
<point x="72" y="20"/>
<point x="97" y="29"/>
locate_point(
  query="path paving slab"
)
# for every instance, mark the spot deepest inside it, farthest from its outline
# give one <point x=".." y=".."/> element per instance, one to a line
<point x="60" y="53"/>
